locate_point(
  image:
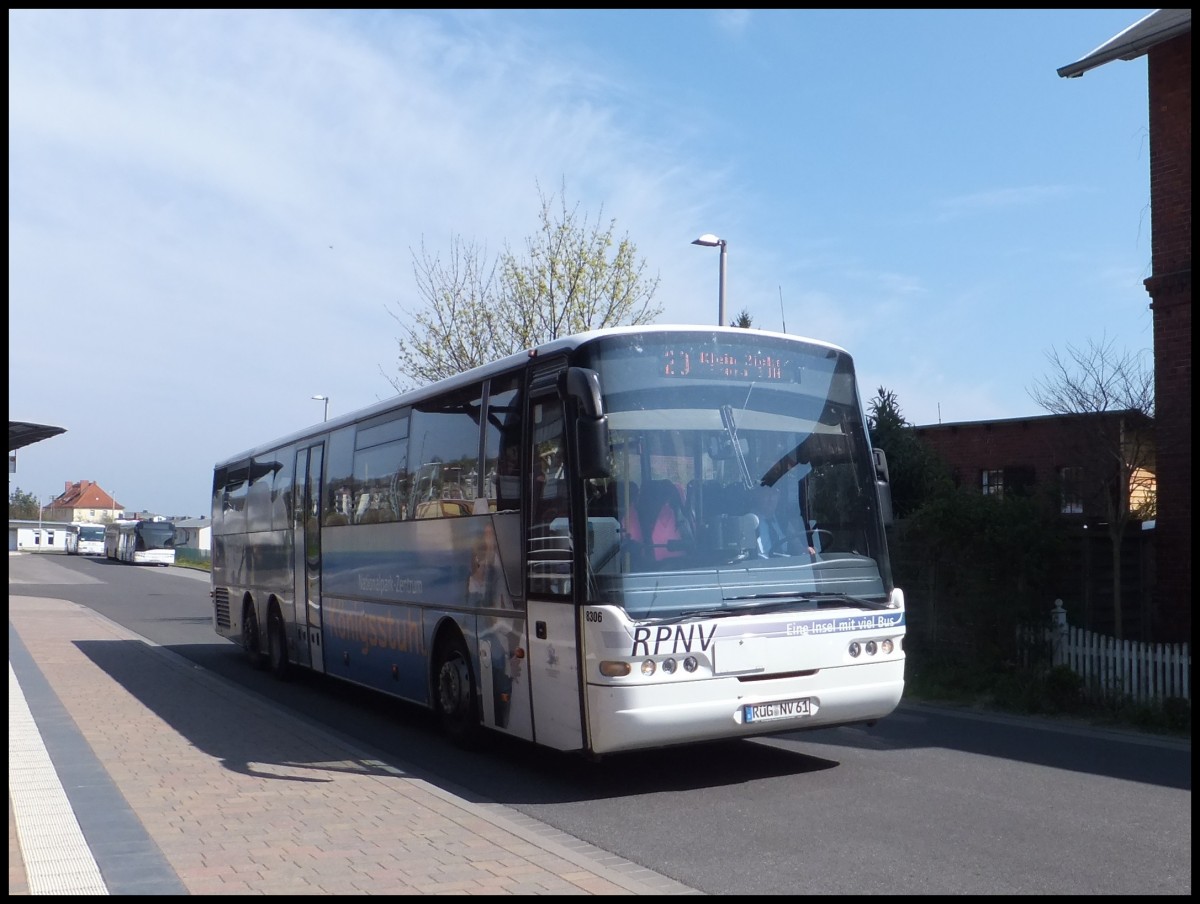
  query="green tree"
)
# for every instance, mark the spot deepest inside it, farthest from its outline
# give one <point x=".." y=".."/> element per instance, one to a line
<point x="1112" y="392"/>
<point x="574" y="275"/>
<point x="743" y="320"/>
<point x="915" y="470"/>
<point x="974" y="568"/>
<point x="22" y="506"/>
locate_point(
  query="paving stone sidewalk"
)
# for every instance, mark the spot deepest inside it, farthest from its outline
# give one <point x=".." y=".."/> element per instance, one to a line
<point x="195" y="786"/>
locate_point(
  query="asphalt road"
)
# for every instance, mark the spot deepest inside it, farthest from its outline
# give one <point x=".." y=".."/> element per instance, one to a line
<point x="929" y="801"/>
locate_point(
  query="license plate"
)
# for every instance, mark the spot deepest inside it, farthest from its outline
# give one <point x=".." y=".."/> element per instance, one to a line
<point x="777" y="710"/>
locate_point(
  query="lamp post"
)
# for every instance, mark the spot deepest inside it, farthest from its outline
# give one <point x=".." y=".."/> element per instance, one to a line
<point x="325" y="399"/>
<point x="708" y="240"/>
<point x="41" y="510"/>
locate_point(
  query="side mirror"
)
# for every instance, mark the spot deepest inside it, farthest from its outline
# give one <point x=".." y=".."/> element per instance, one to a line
<point x="883" y="485"/>
<point x="583" y="386"/>
<point x="590" y="432"/>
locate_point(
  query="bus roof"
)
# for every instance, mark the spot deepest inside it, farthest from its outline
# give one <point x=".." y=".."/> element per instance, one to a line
<point x="499" y="366"/>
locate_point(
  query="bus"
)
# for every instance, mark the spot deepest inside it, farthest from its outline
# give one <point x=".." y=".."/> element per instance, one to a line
<point x="140" y="542"/>
<point x="561" y="546"/>
<point x="85" y="539"/>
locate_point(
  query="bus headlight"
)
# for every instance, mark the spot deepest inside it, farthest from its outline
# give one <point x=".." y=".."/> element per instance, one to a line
<point x="855" y="650"/>
<point x="614" y="668"/>
<point x="690" y="664"/>
<point x="887" y="646"/>
<point x="669" y="666"/>
<point x="648" y="667"/>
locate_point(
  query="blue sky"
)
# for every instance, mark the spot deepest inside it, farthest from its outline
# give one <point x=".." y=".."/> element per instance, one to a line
<point x="213" y="214"/>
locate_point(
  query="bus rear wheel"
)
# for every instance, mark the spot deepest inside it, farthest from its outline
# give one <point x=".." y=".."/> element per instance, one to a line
<point x="277" y="645"/>
<point x="251" y="645"/>
<point x="454" y="693"/>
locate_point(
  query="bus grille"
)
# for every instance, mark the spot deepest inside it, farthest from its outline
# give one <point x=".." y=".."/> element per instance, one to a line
<point x="221" y="604"/>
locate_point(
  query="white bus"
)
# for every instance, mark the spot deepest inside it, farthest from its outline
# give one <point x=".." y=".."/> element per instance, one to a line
<point x="564" y="546"/>
<point x="85" y="539"/>
<point x="141" y="542"/>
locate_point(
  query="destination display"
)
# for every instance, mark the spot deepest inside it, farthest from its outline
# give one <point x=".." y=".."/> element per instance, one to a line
<point x="709" y="364"/>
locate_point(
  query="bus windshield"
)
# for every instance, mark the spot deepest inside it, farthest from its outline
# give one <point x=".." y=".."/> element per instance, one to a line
<point x="155" y="535"/>
<point x="741" y="478"/>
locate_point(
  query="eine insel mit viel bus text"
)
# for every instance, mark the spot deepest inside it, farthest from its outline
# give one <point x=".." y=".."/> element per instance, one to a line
<point x="629" y="538"/>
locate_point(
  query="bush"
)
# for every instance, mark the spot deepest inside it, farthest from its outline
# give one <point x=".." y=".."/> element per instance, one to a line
<point x="959" y="679"/>
<point x="1063" y="690"/>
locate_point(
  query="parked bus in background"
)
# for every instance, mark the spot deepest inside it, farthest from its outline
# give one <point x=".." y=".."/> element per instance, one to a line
<point x="142" y="542"/>
<point x="567" y="545"/>
<point x="85" y="539"/>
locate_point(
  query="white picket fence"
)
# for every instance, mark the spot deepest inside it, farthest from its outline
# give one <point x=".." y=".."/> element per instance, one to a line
<point x="1111" y="668"/>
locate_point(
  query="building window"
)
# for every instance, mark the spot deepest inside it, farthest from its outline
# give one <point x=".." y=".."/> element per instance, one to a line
<point x="992" y="483"/>
<point x="1071" y="482"/>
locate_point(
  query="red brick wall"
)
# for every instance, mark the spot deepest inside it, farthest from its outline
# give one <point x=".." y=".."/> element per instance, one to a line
<point x="1170" y="289"/>
<point x="1042" y="443"/>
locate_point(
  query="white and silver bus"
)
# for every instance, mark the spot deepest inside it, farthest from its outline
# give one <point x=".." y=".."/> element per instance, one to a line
<point x="85" y="539"/>
<point x="567" y="545"/>
<point x="140" y="542"/>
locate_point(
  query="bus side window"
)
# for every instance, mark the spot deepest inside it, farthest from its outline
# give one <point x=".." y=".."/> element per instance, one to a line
<point x="446" y="439"/>
<point x="502" y="445"/>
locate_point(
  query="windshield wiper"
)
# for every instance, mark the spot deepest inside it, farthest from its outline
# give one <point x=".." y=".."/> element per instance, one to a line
<point x="781" y="601"/>
<point x="777" y="595"/>
<point x="773" y="602"/>
<point x="820" y="598"/>
<point x="718" y="611"/>
<point x="731" y="430"/>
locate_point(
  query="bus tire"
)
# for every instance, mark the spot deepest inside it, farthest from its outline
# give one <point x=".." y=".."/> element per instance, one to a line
<point x="455" y="698"/>
<point x="251" y="644"/>
<point x="277" y="645"/>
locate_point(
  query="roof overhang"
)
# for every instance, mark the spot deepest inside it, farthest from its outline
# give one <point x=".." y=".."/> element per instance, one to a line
<point x="21" y="434"/>
<point x="1160" y="25"/>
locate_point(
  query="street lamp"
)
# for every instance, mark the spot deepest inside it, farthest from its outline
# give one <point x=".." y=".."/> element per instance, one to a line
<point x="708" y="240"/>
<point x="325" y="399"/>
<point x="41" y="510"/>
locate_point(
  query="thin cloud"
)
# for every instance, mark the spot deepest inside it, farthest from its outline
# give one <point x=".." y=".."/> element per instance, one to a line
<point x="733" y="21"/>
<point x="986" y="202"/>
<point x="227" y="201"/>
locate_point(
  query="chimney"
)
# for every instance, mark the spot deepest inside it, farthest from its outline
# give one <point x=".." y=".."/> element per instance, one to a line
<point x="67" y="487"/>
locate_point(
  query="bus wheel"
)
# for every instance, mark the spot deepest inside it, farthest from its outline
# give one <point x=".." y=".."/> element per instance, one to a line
<point x="455" y="695"/>
<point x="250" y="634"/>
<point x="277" y="645"/>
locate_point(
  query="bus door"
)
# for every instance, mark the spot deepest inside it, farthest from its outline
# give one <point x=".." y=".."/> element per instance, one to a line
<point x="554" y="676"/>
<point x="306" y="491"/>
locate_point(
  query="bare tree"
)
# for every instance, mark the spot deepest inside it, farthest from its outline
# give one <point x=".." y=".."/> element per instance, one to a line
<point x="1111" y="394"/>
<point x="575" y="276"/>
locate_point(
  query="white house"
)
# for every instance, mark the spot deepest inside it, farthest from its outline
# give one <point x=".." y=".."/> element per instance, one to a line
<point x="194" y="533"/>
<point x="36" y="536"/>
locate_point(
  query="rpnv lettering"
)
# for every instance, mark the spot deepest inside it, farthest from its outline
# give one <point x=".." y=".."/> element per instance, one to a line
<point x="671" y="639"/>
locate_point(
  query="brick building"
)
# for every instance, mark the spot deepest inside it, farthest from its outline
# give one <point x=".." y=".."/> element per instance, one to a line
<point x="82" y="500"/>
<point x="1061" y="455"/>
<point x="1069" y="460"/>
<point x="1165" y="38"/>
